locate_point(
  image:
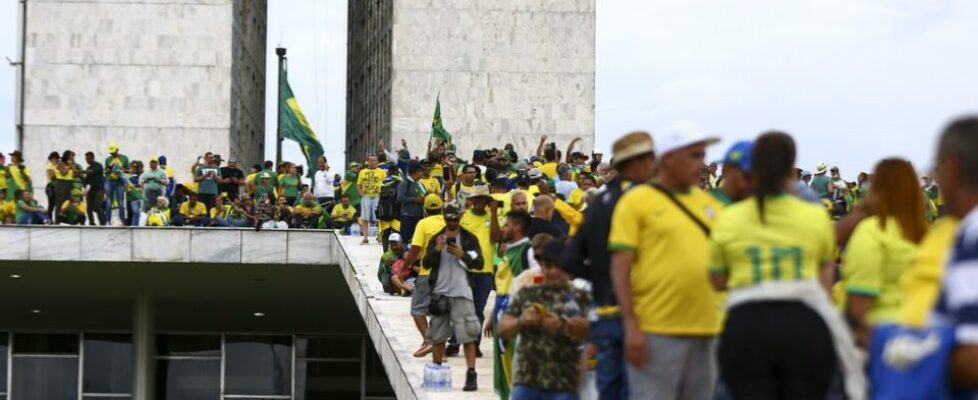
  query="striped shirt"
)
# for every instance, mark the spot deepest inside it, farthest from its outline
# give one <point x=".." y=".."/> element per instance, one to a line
<point x="957" y="305"/>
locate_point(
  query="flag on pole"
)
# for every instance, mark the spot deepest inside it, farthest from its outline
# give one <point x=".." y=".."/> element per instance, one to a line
<point x="437" y="129"/>
<point x="294" y="126"/>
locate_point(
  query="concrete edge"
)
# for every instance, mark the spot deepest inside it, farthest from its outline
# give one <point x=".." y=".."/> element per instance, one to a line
<point x="395" y="371"/>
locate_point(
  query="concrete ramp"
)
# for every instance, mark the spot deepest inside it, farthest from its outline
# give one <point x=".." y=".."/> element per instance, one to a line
<point x="393" y="332"/>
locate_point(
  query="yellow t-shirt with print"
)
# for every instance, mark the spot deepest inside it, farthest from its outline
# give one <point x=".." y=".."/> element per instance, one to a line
<point x="872" y="264"/>
<point x="479" y="225"/>
<point x="371" y="180"/>
<point x="794" y="241"/>
<point x="921" y="282"/>
<point x="423" y="233"/>
<point x="671" y="294"/>
<point x="432" y="185"/>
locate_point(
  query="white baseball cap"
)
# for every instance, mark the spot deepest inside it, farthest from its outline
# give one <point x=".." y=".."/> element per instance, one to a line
<point x="394" y="237"/>
<point x="681" y="135"/>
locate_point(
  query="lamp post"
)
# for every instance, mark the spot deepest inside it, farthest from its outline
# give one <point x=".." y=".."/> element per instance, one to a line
<point x="280" y="52"/>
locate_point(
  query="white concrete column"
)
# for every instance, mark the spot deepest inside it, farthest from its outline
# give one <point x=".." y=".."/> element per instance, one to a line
<point x="143" y="348"/>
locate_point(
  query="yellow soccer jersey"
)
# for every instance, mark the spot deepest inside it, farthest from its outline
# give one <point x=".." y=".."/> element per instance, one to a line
<point x="794" y="241"/>
<point x="432" y="185"/>
<point x="479" y="225"/>
<point x="874" y="260"/>
<point x="671" y="293"/>
<point x="423" y="233"/>
<point x="921" y="282"/>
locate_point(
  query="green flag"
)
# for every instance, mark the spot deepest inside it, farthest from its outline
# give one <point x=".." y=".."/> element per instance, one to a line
<point x="437" y="129"/>
<point x="294" y="126"/>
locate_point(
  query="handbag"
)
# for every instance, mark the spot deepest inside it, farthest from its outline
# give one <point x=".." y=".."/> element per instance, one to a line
<point x="910" y="363"/>
<point x="439" y="305"/>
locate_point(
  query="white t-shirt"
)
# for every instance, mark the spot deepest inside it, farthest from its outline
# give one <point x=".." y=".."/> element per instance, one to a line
<point x="322" y="184"/>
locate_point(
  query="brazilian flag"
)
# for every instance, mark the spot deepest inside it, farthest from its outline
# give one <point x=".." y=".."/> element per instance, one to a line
<point x="437" y="129"/>
<point x="294" y="126"/>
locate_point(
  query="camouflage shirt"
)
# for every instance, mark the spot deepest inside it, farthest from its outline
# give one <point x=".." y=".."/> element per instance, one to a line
<point x="544" y="361"/>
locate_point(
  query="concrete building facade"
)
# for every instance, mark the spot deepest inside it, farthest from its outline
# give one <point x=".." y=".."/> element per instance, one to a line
<point x="507" y="72"/>
<point x="188" y="314"/>
<point x="166" y="77"/>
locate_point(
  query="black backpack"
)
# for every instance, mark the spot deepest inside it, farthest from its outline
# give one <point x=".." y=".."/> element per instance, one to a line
<point x="387" y="207"/>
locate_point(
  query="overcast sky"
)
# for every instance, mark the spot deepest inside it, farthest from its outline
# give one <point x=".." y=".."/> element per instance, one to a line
<point x="852" y="81"/>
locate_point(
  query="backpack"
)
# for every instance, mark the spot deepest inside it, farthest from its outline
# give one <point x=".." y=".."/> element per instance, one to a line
<point x="387" y="207"/>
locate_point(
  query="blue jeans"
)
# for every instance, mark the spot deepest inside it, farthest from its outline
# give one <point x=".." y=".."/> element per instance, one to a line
<point x="179" y="220"/>
<point x="526" y="393"/>
<point x="135" y="207"/>
<point x="115" y="190"/>
<point x="33" y="218"/>
<point x="609" y="337"/>
<point x="231" y="222"/>
<point x="481" y="286"/>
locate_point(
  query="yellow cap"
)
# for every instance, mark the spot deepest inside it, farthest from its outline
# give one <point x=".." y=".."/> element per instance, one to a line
<point x="113" y="148"/>
<point x="433" y="202"/>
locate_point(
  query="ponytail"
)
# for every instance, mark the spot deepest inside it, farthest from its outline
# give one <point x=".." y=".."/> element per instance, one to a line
<point x="772" y="163"/>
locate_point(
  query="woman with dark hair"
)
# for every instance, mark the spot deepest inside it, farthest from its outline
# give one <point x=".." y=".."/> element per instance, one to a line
<point x="773" y="252"/>
<point x="883" y="246"/>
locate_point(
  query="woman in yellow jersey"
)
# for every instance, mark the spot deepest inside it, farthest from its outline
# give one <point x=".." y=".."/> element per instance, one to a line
<point x="772" y="251"/>
<point x="882" y="247"/>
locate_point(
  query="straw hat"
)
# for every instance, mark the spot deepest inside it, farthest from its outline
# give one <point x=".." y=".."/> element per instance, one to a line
<point x="631" y="145"/>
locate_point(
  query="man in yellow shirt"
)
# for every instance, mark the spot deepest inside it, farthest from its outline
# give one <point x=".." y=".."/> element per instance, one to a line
<point x="426" y="229"/>
<point x="307" y="212"/>
<point x="369" y="182"/>
<point x="659" y="250"/>
<point x="192" y="213"/>
<point x="343" y="214"/>
<point x="481" y="220"/>
<point x="430" y="183"/>
<point x="550" y="156"/>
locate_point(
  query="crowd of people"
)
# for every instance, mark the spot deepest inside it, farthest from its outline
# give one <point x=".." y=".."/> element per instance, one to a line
<point x="220" y="194"/>
<point x="667" y="277"/>
<point x="664" y="276"/>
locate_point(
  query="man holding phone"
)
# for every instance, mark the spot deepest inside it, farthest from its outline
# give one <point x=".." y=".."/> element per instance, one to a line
<point x="482" y="221"/>
<point x="451" y="254"/>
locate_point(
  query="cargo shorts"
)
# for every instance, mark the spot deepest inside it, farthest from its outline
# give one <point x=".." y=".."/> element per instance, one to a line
<point x="461" y="320"/>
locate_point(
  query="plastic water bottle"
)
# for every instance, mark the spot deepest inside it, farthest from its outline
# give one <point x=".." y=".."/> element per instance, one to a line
<point x="445" y="381"/>
<point x="429" y="383"/>
<point x="372" y="230"/>
<point x="355" y="230"/>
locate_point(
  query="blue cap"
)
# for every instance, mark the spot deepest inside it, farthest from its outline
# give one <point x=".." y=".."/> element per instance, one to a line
<point x="739" y="155"/>
<point x="161" y="160"/>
